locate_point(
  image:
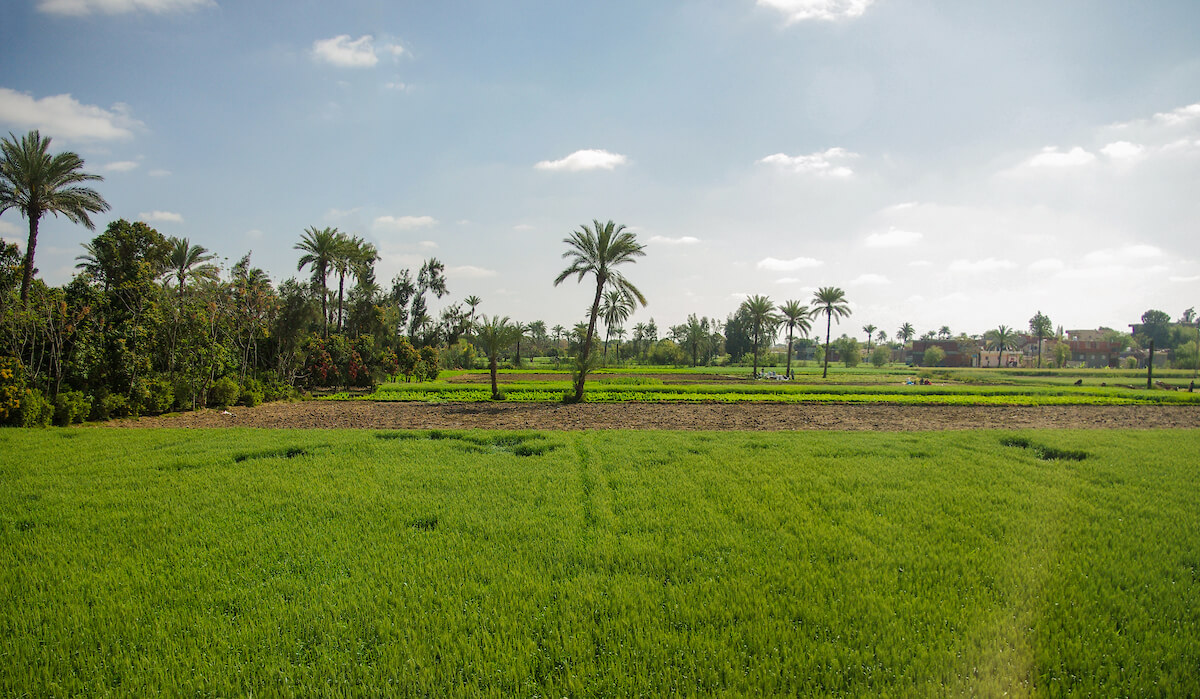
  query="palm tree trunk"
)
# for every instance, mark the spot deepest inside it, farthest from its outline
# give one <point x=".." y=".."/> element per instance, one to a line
<point x="341" y="288"/>
<point x="828" y="323"/>
<point x="788" y="372"/>
<point x="492" y="366"/>
<point x="755" y="360"/>
<point x="586" y="352"/>
<point x="27" y="275"/>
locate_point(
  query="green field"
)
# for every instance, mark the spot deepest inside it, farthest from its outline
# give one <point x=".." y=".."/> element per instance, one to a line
<point x="306" y="563"/>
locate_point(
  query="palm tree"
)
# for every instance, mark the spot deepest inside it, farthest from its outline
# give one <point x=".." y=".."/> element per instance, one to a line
<point x="615" y="309"/>
<point x="905" y="333"/>
<point x="36" y="183"/>
<point x="494" y="335"/>
<point x="795" y="316"/>
<point x="520" y="330"/>
<point x="831" y="301"/>
<point x="869" y="330"/>
<point x="1040" y="325"/>
<point x="598" y="251"/>
<point x="1002" y="339"/>
<point x="881" y="337"/>
<point x="188" y="261"/>
<point x="763" y="322"/>
<point x="558" y="332"/>
<point x="320" y="248"/>
<point x="472" y="302"/>
<point x="944" y="333"/>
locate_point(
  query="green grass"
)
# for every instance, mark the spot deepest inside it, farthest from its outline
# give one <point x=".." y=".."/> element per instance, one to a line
<point x="308" y="563"/>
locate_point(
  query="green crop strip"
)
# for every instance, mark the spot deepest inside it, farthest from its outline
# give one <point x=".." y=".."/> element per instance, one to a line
<point x="465" y="563"/>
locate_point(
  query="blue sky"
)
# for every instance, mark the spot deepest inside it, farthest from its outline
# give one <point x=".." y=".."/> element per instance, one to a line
<point x="945" y="163"/>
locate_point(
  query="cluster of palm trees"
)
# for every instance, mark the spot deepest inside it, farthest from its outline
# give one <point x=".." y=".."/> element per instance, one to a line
<point x="829" y="301"/>
<point x="328" y="250"/>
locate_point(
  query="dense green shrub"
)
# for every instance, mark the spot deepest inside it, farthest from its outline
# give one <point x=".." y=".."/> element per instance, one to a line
<point x="109" y="406"/>
<point x="224" y="392"/>
<point x="253" y="392"/>
<point x="880" y="356"/>
<point x="155" y="396"/>
<point x="12" y="388"/>
<point x="35" y="410"/>
<point x="933" y="356"/>
<point x="71" y="407"/>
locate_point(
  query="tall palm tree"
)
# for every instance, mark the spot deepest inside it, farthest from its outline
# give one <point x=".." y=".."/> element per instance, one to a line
<point x="1040" y="325"/>
<point x="598" y="251"/>
<point x="36" y="183"/>
<point x="763" y="322"/>
<point x="189" y="261"/>
<point x="520" y="329"/>
<point x="472" y="302"/>
<point x="345" y="253"/>
<point x="831" y="301"/>
<point x="1002" y="339"/>
<point x="906" y="332"/>
<point x="881" y="337"/>
<point x="869" y="330"/>
<point x="796" y="316"/>
<point x="944" y="333"/>
<point x="616" y="308"/>
<point x="320" y="248"/>
<point x="494" y="335"/>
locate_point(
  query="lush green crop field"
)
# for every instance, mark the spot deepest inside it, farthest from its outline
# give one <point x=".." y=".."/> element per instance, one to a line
<point x="615" y="389"/>
<point x="313" y="563"/>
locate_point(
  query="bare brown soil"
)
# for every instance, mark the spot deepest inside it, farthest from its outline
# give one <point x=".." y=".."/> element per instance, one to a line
<point x="674" y="416"/>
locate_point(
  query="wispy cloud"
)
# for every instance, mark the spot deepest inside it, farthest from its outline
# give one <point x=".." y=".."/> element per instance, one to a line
<point x="870" y="280"/>
<point x="80" y="8"/>
<point x="990" y="264"/>
<point x="893" y="238"/>
<point x="828" y="10"/>
<point x="344" y="52"/>
<point x="1182" y="115"/>
<point x="161" y="216"/>
<point x="682" y="240"/>
<point x="1106" y="256"/>
<point x="1120" y="150"/>
<point x="777" y="265"/>
<point x="1051" y="157"/>
<point x="159" y="173"/>
<point x="469" y="272"/>
<point x="828" y="163"/>
<point x="63" y="116"/>
<point x="403" y="223"/>
<point x="121" y="166"/>
<point x="581" y="160"/>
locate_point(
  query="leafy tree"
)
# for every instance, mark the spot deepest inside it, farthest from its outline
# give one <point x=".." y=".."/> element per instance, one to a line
<point x="320" y="248"/>
<point x="494" y="335"/>
<point x="599" y="251"/>
<point x="934" y="356"/>
<point x="848" y="349"/>
<point x="1061" y="353"/>
<point x="695" y="335"/>
<point x="763" y="323"/>
<point x="1002" y="338"/>
<point x="1040" y="326"/>
<point x="1156" y="326"/>
<point x="796" y="316"/>
<point x="403" y="290"/>
<point x="37" y="183"/>
<point x="737" y="333"/>
<point x="905" y="333"/>
<point x="880" y="356"/>
<point x="830" y="301"/>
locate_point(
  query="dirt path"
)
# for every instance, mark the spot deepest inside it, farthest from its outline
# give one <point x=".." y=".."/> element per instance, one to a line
<point x="674" y="416"/>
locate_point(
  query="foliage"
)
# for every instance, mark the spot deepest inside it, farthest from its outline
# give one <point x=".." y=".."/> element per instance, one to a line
<point x="831" y="302"/>
<point x="847" y="348"/>
<point x="71" y="407"/>
<point x="934" y="356"/>
<point x="253" y="392"/>
<point x="224" y="392"/>
<point x="12" y="387"/>
<point x="35" y="410"/>
<point x="880" y="356"/>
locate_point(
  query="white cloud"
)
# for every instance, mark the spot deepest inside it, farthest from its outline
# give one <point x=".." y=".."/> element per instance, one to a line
<point x="7" y="228"/>
<point x="990" y="264"/>
<point x="427" y="245"/>
<point x="580" y="160"/>
<point x="788" y="280"/>
<point x="1126" y="253"/>
<point x="79" y="8"/>
<point x="1048" y="264"/>
<point x="159" y="173"/>
<point x="344" y="52"/>
<point x="254" y="234"/>
<point x="522" y="227"/>
<point x="121" y="166"/>
<point x="1178" y="280"/>
<point x="1052" y="158"/>
<point x="1179" y="116"/>
<point x="824" y="163"/>
<point x="62" y="116"/>
<point x="397" y="86"/>
<point x="801" y="10"/>
<point x="164" y="216"/>
<point x="893" y="238"/>
<point x="920" y="263"/>
<point x="791" y="265"/>
<point x="870" y="280"/>
<point x="469" y="272"/>
<point x="901" y="206"/>
<point x="1119" y="150"/>
<point x="682" y="240"/>
<point x="403" y="223"/>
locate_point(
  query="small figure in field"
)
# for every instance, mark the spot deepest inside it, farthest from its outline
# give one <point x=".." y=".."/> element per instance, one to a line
<point x="1191" y="385"/>
<point x="1078" y="382"/>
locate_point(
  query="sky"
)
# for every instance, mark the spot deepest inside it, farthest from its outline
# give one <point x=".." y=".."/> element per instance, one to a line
<point x="944" y="163"/>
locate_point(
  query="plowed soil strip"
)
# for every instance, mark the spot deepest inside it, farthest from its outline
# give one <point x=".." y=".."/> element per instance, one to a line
<point x="668" y="416"/>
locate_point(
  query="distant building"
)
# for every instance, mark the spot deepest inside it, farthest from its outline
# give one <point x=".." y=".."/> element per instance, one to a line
<point x="1090" y="349"/>
<point x="956" y="354"/>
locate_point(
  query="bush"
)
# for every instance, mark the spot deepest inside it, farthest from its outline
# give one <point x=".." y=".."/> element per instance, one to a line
<point x="1131" y="362"/>
<point x="35" y="410"/>
<point x="224" y="392"/>
<point x="12" y="388"/>
<point x="155" y="397"/>
<point x="427" y="367"/>
<point x="276" y="389"/>
<point x="71" y="407"/>
<point x="880" y="356"/>
<point x="253" y="392"/>
<point x="110" y="406"/>
<point x="934" y="356"/>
